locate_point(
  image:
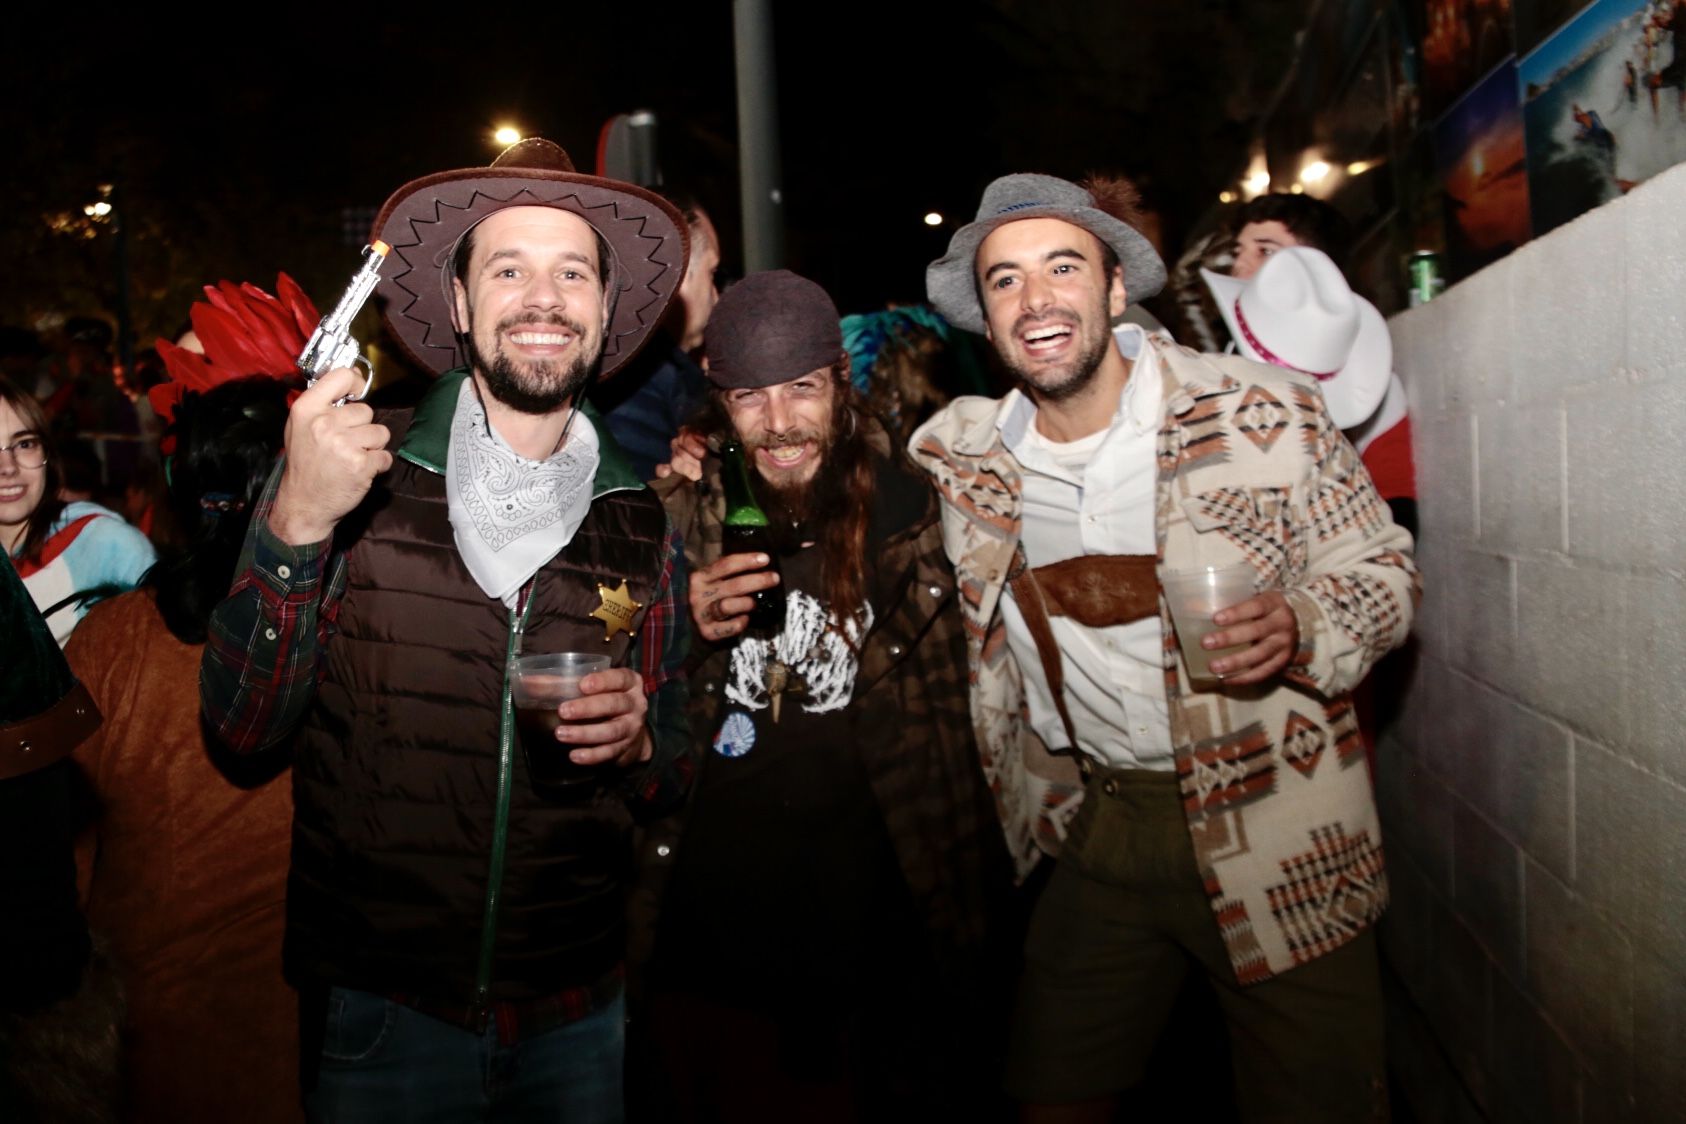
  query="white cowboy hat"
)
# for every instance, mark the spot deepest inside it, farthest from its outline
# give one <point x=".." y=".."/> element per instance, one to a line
<point x="1298" y="312"/>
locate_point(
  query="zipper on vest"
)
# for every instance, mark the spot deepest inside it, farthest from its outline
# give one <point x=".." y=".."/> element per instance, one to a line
<point x="500" y="826"/>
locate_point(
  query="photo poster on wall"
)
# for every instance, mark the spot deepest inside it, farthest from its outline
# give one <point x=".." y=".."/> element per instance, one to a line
<point x="1462" y="41"/>
<point x="1481" y="156"/>
<point x="1604" y="105"/>
<point x="1537" y="19"/>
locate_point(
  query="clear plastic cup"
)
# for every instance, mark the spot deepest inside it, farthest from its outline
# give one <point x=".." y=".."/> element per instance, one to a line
<point x="538" y="685"/>
<point x="1193" y="596"/>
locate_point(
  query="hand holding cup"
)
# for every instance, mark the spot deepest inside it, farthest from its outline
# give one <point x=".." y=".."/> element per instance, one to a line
<point x="1228" y="630"/>
<point x="575" y="713"/>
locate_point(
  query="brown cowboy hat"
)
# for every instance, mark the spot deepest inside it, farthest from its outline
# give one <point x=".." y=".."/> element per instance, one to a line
<point x="425" y="221"/>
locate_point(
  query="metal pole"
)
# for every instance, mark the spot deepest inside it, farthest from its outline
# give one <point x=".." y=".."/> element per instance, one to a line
<point x="120" y="261"/>
<point x="758" y="136"/>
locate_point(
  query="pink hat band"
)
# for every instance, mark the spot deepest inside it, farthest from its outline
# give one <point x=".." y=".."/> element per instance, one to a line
<point x="1267" y="354"/>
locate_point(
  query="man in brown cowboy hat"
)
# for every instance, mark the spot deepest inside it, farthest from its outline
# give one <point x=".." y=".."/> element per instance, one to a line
<point x="1225" y="827"/>
<point x="455" y="925"/>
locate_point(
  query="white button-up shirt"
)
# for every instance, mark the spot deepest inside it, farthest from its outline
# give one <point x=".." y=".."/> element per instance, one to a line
<point x="1095" y="496"/>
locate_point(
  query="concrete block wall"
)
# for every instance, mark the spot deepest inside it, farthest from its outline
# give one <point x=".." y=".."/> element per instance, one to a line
<point x="1534" y="789"/>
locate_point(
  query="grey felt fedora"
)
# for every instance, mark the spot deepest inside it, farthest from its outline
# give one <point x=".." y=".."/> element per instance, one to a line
<point x="1027" y="195"/>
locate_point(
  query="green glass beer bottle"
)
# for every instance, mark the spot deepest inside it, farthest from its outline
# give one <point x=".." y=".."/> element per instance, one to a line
<point x="747" y="531"/>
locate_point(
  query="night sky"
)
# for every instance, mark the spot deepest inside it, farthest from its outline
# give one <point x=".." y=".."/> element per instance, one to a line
<point x="235" y="154"/>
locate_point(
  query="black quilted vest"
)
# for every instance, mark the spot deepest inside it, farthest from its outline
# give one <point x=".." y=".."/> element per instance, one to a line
<point x="397" y="772"/>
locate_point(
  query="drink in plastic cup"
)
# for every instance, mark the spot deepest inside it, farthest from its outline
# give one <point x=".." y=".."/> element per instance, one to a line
<point x="538" y="685"/>
<point x="1193" y="596"/>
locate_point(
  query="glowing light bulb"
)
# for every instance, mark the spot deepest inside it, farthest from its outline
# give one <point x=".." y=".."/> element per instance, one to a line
<point x="507" y="135"/>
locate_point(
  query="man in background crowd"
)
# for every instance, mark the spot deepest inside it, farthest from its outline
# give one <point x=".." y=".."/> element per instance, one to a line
<point x="645" y="407"/>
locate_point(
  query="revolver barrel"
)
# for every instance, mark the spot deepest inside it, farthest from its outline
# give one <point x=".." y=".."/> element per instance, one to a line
<point x="332" y="344"/>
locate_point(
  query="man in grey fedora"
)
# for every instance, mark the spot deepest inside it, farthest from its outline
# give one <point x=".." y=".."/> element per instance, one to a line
<point x="1224" y="826"/>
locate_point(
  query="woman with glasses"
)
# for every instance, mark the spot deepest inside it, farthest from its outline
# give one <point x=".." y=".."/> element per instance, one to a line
<point x="69" y="555"/>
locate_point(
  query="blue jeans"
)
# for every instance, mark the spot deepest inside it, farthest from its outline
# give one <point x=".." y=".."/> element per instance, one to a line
<point x="382" y="1061"/>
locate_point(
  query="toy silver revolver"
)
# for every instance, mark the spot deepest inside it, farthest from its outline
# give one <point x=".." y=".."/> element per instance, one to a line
<point x="332" y="345"/>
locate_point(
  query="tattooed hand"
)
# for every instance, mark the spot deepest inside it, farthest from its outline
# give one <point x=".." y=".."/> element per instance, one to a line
<point x="721" y="595"/>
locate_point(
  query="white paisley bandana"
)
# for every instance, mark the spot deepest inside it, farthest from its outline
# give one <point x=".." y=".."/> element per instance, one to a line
<point x="511" y="515"/>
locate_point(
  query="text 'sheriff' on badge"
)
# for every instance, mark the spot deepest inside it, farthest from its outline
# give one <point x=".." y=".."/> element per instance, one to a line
<point x="617" y="610"/>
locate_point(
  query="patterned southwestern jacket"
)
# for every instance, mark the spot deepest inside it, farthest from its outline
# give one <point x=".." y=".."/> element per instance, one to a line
<point x="1274" y="778"/>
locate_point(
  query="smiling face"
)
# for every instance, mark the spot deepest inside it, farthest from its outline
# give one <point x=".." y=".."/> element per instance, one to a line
<point x="530" y="303"/>
<point x="786" y="427"/>
<point x="21" y="489"/>
<point x="1049" y="302"/>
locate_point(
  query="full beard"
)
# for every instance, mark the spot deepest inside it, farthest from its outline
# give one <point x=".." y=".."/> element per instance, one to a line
<point x="541" y="387"/>
<point x="795" y="507"/>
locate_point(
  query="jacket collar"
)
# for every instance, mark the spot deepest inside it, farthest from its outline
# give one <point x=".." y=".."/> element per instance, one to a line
<point x="429" y="437"/>
<point x="1191" y="376"/>
<point x="1188" y="377"/>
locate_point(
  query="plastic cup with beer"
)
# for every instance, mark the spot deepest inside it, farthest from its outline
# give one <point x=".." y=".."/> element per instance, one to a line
<point x="538" y="685"/>
<point x="1193" y="596"/>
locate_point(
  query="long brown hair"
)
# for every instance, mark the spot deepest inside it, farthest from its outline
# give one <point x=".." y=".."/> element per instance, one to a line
<point x="847" y="491"/>
<point x="34" y="419"/>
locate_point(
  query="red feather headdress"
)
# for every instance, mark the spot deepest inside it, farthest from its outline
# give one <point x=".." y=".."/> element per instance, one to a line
<point x="244" y="331"/>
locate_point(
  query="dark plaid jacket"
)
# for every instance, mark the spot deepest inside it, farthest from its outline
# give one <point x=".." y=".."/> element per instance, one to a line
<point x="911" y="715"/>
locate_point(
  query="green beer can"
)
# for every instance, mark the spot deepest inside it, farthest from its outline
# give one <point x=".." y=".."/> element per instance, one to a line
<point x="1426" y="279"/>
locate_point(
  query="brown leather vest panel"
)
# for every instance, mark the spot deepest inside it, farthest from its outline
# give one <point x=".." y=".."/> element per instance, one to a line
<point x="397" y="766"/>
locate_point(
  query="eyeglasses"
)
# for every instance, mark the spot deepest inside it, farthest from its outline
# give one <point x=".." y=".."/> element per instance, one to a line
<point x="31" y="452"/>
